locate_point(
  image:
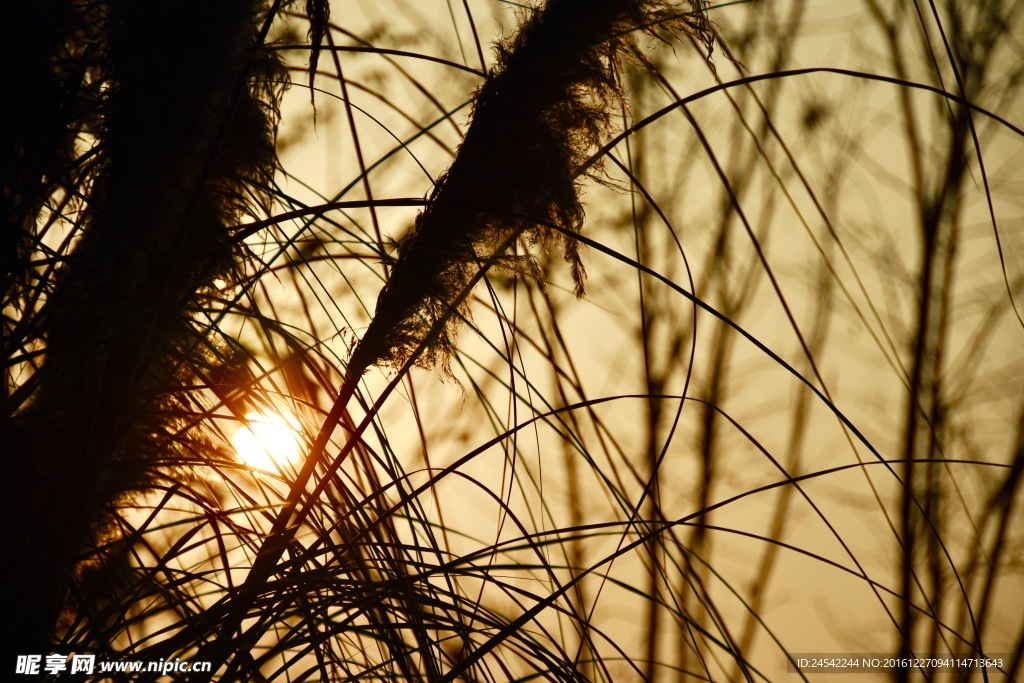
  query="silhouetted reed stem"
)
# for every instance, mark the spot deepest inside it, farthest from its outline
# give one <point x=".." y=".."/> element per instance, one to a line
<point x="537" y="118"/>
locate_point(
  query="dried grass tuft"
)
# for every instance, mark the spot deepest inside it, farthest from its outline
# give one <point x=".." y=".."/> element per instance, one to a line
<point x="516" y="179"/>
<point x="184" y="107"/>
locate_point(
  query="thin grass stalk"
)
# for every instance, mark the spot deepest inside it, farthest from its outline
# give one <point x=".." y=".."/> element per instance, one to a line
<point x="924" y="405"/>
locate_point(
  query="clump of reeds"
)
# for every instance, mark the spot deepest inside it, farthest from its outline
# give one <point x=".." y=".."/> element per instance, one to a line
<point x="183" y="110"/>
<point x="516" y="178"/>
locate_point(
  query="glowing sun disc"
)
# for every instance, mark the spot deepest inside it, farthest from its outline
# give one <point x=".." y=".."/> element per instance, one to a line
<point x="267" y="441"/>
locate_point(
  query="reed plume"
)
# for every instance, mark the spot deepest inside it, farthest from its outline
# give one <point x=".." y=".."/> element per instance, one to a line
<point x="183" y="111"/>
<point x="516" y="178"/>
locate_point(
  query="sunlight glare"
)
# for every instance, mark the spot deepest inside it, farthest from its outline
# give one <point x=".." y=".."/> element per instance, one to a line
<point x="268" y="441"/>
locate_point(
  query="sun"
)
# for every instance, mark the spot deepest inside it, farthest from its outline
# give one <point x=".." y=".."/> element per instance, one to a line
<point x="268" y="441"/>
